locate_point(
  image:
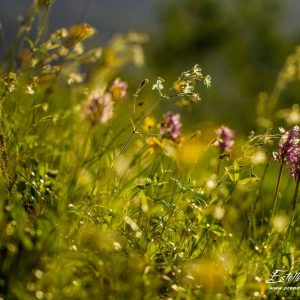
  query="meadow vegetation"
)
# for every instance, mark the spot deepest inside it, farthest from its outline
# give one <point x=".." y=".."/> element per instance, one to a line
<point x="107" y="193"/>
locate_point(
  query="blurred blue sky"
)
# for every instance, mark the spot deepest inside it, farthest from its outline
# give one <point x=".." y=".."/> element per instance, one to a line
<point x="108" y="16"/>
<point x="115" y="16"/>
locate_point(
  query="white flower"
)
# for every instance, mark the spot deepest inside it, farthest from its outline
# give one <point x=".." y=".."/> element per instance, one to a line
<point x="158" y="85"/>
<point x="197" y="71"/>
<point x="29" y="90"/>
<point x="207" y="80"/>
<point x="187" y="87"/>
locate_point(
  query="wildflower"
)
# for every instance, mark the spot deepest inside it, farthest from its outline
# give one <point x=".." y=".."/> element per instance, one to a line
<point x="154" y="144"/>
<point x="207" y="81"/>
<point x="184" y="87"/>
<point x="131" y="223"/>
<point x="100" y="107"/>
<point x="78" y="48"/>
<point x="295" y="162"/>
<point x="287" y="141"/>
<point x="170" y="128"/>
<point x="29" y="90"/>
<point x="158" y="85"/>
<point x="63" y="51"/>
<point x="197" y="71"/>
<point x="165" y="146"/>
<point x="138" y="55"/>
<point x="11" y="88"/>
<point x="79" y="32"/>
<point x="177" y="86"/>
<point x="225" y="139"/>
<point x="75" y="78"/>
<point x="149" y="124"/>
<point x="289" y="150"/>
<point x="117" y="246"/>
<point x="118" y="89"/>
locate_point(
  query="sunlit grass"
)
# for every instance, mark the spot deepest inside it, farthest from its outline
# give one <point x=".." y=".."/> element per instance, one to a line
<point x="104" y="198"/>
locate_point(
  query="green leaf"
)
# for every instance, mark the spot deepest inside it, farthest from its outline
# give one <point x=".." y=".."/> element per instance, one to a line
<point x="249" y="180"/>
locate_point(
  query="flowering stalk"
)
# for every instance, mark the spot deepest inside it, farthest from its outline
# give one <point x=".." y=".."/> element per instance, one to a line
<point x="170" y="128"/>
<point x="289" y="150"/>
<point x="99" y="109"/>
<point x="288" y="153"/>
<point x="225" y="140"/>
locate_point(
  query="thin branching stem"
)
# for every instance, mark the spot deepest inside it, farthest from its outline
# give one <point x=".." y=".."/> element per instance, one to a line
<point x="134" y="131"/>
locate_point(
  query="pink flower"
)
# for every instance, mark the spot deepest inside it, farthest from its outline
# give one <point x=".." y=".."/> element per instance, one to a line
<point x="100" y="107"/>
<point x="289" y="150"/>
<point x="170" y="128"/>
<point x="225" y="139"/>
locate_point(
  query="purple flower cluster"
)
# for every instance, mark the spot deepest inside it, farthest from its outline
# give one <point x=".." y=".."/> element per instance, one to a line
<point x="225" y="139"/>
<point x="289" y="150"/>
<point x="100" y="107"/>
<point x="170" y="127"/>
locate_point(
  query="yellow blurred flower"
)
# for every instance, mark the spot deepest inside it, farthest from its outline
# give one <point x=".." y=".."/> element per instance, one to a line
<point x="110" y="56"/>
<point x="165" y="146"/>
<point x="177" y="86"/>
<point x="190" y="152"/>
<point x="154" y="144"/>
<point x="180" y="86"/>
<point x="80" y="32"/>
<point x="149" y="124"/>
<point x="118" y="89"/>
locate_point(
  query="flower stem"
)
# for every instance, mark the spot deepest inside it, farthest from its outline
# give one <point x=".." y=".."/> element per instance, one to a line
<point x="293" y="204"/>
<point x="134" y="131"/>
<point x="276" y="190"/>
<point x="218" y="166"/>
